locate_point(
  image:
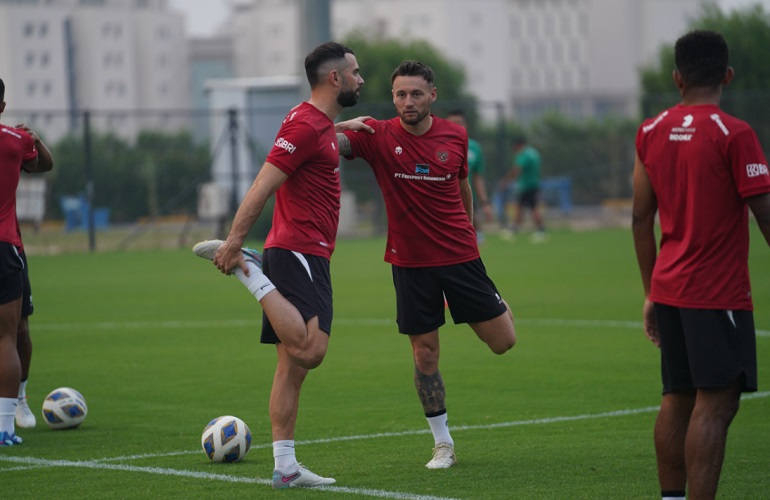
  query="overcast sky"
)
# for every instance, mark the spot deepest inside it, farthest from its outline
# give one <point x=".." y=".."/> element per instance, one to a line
<point x="205" y="16"/>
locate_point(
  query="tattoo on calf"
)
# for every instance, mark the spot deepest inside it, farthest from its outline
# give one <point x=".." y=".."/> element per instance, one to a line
<point x="431" y="390"/>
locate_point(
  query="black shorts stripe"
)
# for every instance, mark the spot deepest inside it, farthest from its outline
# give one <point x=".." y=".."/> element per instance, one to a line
<point x="706" y="348"/>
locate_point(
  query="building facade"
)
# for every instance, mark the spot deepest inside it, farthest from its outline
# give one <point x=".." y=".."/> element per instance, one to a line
<point x="120" y="59"/>
<point x="577" y="57"/>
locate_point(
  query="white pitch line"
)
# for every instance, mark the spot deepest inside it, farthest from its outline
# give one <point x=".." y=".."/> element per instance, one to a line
<point x="359" y="437"/>
<point x="163" y="471"/>
<point x="31" y="463"/>
<point x="172" y="324"/>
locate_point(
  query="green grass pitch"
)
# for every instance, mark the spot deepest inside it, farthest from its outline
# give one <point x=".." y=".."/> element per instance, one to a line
<point x="160" y="343"/>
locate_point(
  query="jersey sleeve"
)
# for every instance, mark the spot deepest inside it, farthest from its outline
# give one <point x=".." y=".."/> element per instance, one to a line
<point x="30" y="151"/>
<point x="362" y="143"/>
<point x="295" y="144"/>
<point x="748" y="164"/>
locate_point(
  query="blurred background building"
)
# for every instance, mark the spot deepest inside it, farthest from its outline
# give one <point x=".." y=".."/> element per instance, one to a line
<point x="126" y="58"/>
<point x="580" y="58"/>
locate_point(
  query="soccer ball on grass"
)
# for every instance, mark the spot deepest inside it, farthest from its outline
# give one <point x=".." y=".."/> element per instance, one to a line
<point x="226" y="439"/>
<point x="64" y="408"/>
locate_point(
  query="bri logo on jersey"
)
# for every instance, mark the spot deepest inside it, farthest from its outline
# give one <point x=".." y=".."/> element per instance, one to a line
<point x="284" y="144"/>
<point x="756" y="169"/>
<point x="422" y="169"/>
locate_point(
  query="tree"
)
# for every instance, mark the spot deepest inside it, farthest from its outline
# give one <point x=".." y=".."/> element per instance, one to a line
<point x="747" y="33"/>
<point x="155" y="176"/>
<point x="378" y="59"/>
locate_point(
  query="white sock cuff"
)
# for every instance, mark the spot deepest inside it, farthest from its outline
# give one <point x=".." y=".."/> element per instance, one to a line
<point x="258" y="284"/>
<point x="285" y="447"/>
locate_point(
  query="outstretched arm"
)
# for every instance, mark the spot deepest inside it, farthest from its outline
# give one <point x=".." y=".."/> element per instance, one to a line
<point x="268" y="180"/>
<point x="356" y="125"/>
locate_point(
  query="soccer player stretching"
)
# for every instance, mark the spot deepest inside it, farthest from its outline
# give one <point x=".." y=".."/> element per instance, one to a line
<point x="292" y="282"/>
<point x="421" y="164"/>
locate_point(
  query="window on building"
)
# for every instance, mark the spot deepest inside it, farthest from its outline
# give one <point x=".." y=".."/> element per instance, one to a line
<point x="45" y="58"/>
<point x="31" y="88"/>
<point x="29" y="59"/>
<point x="42" y="30"/>
<point x="29" y="29"/>
<point x="46" y="88"/>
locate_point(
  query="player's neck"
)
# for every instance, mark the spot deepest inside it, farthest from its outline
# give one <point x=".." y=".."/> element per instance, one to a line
<point x="329" y="107"/>
<point x="701" y="96"/>
<point x="418" y="128"/>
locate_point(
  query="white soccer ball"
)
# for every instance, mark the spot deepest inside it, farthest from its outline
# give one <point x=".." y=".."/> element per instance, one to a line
<point x="226" y="439"/>
<point x="64" y="408"/>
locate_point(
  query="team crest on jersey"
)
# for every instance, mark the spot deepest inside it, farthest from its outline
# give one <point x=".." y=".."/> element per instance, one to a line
<point x="399" y="150"/>
<point x="442" y="155"/>
<point x="422" y="169"/>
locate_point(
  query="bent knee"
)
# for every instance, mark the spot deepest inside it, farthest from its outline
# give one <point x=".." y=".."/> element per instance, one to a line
<point x="308" y="359"/>
<point x="503" y="345"/>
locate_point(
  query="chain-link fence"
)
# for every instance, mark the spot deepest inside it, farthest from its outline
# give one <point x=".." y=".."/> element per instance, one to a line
<point x="167" y="178"/>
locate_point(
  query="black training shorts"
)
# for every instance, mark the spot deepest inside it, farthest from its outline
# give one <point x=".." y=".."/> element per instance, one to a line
<point x="706" y="348"/>
<point x="529" y="199"/>
<point x="305" y="281"/>
<point x="420" y="292"/>
<point x="11" y="269"/>
<point x="26" y="297"/>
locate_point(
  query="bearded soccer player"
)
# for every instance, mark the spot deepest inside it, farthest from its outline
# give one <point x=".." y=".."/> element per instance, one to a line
<point x="420" y="162"/>
<point x="699" y="169"/>
<point x="292" y="280"/>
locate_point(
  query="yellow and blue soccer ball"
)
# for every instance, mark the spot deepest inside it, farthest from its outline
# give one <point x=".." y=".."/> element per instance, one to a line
<point x="64" y="408"/>
<point x="226" y="439"/>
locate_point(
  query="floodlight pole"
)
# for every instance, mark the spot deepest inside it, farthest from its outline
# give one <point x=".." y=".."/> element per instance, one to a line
<point x="232" y="114"/>
<point x="88" y="168"/>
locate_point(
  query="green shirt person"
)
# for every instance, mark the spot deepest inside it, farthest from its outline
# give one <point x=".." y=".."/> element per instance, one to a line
<point x="476" y="174"/>
<point x="526" y="171"/>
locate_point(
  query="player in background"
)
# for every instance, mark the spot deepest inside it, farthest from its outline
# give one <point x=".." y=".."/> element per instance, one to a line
<point x="292" y="281"/>
<point x="18" y="150"/>
<point x="526" y="172"/>
<point x="420" y="162"/>
<point x="698" y="168"/>
<point x="476" y="173"/>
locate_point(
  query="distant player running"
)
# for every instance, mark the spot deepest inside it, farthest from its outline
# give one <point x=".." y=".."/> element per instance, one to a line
<point x="420" y="162"/>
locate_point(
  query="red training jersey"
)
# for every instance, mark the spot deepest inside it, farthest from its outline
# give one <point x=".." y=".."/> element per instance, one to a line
<point x="307" y="205"/>
<point x="420" y="181"/>
<point x="702" y="164"/>
<point x="16" y="147"/>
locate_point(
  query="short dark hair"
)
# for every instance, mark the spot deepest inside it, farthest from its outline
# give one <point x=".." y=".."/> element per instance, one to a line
<point x="701" y="57"/>
<point x="413" y="68"/>
<point x="2" y="90"/>
<point x="329" y="51"/>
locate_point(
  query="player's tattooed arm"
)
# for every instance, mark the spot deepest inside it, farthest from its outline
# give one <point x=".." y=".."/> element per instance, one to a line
<point x="344" y="145"/>
<point x="431" y="390"/>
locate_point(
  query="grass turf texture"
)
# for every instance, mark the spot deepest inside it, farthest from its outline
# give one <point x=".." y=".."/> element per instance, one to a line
<point x="159" y="343"/>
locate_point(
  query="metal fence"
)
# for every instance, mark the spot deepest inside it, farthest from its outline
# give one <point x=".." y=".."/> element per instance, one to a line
<point x="130" y="179"/>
